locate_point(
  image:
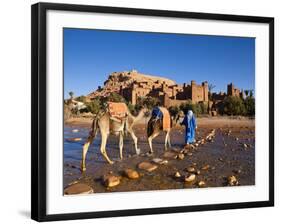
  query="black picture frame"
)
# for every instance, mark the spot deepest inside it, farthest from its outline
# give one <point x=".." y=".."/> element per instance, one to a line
<point x="38" y="108"/>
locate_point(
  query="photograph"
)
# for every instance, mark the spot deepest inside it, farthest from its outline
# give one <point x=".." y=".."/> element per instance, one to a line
<point x="151" y="111"/>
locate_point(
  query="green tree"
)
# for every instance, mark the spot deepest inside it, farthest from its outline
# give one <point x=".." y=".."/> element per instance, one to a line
<point x="114" y="97"/>
<point x="246" y="92"/>
<point x="148" y="102"/>
<point x="233" y="105"/>
<point x="250" y="106"/>
<point x="251" y="93"/>
<point x="174" y="110"/>
<point x="132" y="108"/>
<point x="210" y="88"/>
<point x="81" y="99"/>
<point x="71" y="94"/>
<point x="94" y="106"/>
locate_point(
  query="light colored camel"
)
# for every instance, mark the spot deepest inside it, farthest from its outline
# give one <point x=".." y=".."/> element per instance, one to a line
<point x="107" y="125"/>
<point x="154" y="128"/>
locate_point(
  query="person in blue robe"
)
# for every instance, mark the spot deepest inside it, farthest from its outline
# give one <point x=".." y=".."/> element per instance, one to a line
<point x="189" y="122"/>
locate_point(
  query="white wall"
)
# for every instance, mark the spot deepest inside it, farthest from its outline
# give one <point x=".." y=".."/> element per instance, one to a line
<point x="15" y="91"/>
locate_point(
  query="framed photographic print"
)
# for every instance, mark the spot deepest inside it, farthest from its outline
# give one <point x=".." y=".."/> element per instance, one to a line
<point x="139" y="111"/>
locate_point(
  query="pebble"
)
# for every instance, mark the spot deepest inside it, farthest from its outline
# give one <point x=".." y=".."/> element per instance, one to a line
<point x="132" y="174"/>
<point x="170" y="155"/>
<point x="237" y="171"/>
<point x="191" y="169"/>
<point x="190" y="178"/>
<point x="206" y="167"/>
<point x="74" y="139"/>
<point x="232" y="181"/>
<point x="180" y="156"/>
<point x="75" y="130"/>
<point x="201" y="183"/>
<point x="160" y="161"/>
<point x="111" y="180"/>
<point x="73" y="166"/>
<point x="147" y="166"/>
<point x="177" y="174"/>
<point x="78" y="188"/>
<point x="237" y="139"/>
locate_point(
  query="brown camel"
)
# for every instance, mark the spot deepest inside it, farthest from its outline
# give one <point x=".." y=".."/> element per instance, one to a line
<point x="108" y="125"/>
<point x="154" y="127"/>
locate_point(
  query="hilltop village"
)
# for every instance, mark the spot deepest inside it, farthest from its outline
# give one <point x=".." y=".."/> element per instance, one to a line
<point x="131" y="85"/>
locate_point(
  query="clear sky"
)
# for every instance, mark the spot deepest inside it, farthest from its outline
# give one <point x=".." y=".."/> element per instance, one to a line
<point x="91" y="55"/>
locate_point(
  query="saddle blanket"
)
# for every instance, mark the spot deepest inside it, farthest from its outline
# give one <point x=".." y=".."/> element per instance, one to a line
<point x="117" y="110"/>
<point x="162" y="113"/>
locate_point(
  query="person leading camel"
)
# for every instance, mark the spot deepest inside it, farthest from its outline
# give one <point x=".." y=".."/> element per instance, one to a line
<point x="189" y="122"/>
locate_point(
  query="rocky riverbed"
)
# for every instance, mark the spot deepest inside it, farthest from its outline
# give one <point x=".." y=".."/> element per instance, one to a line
<point x="223" y="155"/>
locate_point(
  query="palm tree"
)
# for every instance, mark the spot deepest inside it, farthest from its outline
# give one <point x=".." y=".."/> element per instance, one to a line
<point x="251" y="93"/>
<point x="211" y="87"/>
<point x="246" y="92"/>
<point x="71" y="94"/>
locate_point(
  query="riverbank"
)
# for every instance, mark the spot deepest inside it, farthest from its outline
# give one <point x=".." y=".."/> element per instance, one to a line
<point x="229" y="153"/>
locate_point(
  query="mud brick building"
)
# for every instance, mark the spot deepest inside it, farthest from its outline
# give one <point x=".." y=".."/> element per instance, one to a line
<point x="169" y="95"/>
<point x="132" y="85"/>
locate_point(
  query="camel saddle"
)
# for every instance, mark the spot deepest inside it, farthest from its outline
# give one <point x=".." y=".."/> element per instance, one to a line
<point x="118" y="111"/>
<point x="163" y="113"/>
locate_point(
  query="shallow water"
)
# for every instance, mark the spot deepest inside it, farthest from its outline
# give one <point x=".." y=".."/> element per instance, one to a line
<point x="224" y="155"/>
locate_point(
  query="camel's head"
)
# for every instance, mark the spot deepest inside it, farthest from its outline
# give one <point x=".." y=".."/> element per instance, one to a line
<point x="145" y="111"/>
<point x="179" y="117"/>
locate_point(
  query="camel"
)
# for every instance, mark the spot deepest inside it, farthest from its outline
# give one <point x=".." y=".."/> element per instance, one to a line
<point x="108" y="125"/>
<point x="154" y="128"/>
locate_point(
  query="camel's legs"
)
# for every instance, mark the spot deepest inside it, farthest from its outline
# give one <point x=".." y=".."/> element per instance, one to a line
<point x="121" y="136"/>
<point x="155" y="134"/>
<point x="135" y="139"/>
<point x="167" y="139"/>
<point x="85" y="150"/>
<point x="102" y="147"/>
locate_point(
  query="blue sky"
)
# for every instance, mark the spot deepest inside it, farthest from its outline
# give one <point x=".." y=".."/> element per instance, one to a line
<point x="91" y="55"/>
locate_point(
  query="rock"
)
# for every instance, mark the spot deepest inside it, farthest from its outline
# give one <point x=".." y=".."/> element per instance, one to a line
<point x="189" y="154"/>
<point x="245" y="146"/>
<point x="191" y="169"/>
<point x="177" y="174"/>
<point x="147" y="166"/>
<point x="232" y="180"/>
<point x="170" y="155"/>
<point x="160" y="161"/>
<point x="206" y="167"/>
<point x="78" y="188"/>
<point x="148" y="154"/>
<point x="73" y="182"/>
<point x="111" y="180"/>
<point x="190" y="178"/>
<point x="220" y="159"/>
<point x="180" y="156"/>
<point x="74" y="139"/>
<point x="132" y="174"/>
<point x="75" y="130"/>
<point x="196" y="144"/>
<point x="237" y="139"/>
<point x="201" y="183"/>
<point x="237" y="171"/>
